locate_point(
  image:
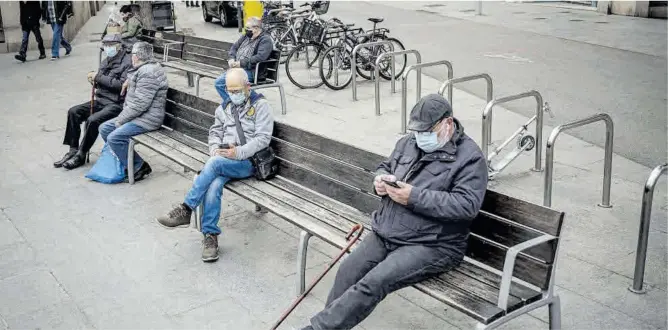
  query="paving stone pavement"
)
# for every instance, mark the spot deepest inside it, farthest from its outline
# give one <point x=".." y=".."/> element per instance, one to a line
<point x="77" y="254"/>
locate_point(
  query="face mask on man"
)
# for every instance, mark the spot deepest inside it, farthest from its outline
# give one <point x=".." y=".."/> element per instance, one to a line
<point x="238" y="98"/>
<point x="111" y="51"/>
<point x="430" y="141"/>
<point x="249" y="33"/>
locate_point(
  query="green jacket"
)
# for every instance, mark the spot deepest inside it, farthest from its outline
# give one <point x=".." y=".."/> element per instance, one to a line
<point x="131" y="28"/>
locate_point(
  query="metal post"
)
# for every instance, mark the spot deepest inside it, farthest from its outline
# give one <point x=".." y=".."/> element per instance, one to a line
<point x="197" y="78"/>
<point x="131" y="161"/>
<point x="353" y="60"/>
<point x="240" y="15"/>
<point x="479" y="8"/>
<point x="404" y="86"/>
<point x="487" y="123"/>
<point x="490" y="89"/>
<point x="377" y="71"/>
<point x="607" y="166"/>
<point x="643" y="233"/>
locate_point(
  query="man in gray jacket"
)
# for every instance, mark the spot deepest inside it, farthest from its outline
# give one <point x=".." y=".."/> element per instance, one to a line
<point x="422" y="225"/>
<point x="107" y="103"/>
<point x="229" y="160"/>
<point x="144" y="108"/>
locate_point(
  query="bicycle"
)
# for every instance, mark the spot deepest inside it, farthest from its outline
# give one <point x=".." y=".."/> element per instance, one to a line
<point x="301" y="62"/>
<point x="337" y="58"/>
<point x="285" y="24"/>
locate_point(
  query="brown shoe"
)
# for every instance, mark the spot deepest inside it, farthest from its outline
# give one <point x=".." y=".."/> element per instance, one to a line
<point x="177" y="217"/>
<point x="210" y="248"/>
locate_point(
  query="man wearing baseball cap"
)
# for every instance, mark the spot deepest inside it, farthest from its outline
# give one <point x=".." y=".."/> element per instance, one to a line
<point x="432" y="188"/>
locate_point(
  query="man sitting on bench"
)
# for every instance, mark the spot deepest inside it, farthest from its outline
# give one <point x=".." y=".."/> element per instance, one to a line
<point x="252" y="48"/>
<point x="144" y="108"/>
<point x="433" y="186"/>
<point x="229" y="160"/>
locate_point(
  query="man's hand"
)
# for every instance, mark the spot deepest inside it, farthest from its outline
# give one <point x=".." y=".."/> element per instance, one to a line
<point x="380" y="185"/>
<point x="230" y="153"/>
<point x="91" y="76"/>
<point x="400" y="195"/>
<point x="234" y="64"/>
<point x="124" y="88"/>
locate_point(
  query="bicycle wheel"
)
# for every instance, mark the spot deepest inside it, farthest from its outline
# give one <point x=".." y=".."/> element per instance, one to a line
<point x="302" y="65"/>
<point x="335" y="68"/>
<point x="399" y="61"/>
<point x="283" y="39"/>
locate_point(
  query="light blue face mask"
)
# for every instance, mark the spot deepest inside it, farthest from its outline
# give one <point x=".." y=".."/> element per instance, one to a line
<point x="429" y="142"/>
<point x="111" y="51"/>
<point x="238" y="98"/>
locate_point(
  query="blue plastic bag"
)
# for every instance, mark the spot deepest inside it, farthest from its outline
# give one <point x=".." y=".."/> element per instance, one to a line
<point x="108" y="168"/>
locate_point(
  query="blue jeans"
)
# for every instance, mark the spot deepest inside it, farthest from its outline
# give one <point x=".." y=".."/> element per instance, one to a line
<point x="208" y="188"/>
<point x="58" y="40"/>
<point x="221" y="86"/>
<point x="119" y="138"/>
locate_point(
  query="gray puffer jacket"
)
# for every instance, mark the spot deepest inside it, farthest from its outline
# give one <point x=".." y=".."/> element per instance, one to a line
<point x="257" y="123"/>
<point x="146" y="97"/>
<point x="449" y="185"/>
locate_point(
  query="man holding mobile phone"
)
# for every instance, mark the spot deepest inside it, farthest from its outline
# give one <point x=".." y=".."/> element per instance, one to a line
<point x="432" y="188"/>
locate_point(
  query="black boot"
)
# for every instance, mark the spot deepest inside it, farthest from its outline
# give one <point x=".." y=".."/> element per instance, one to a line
<point x="76" y="161"/>
<point x="67" y="157"/>
<point x="20" y="57"/>
<point x="143" y="171"/>
<point x="42" y="56"/>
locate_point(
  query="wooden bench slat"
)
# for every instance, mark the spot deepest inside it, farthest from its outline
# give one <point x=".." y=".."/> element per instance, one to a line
<point x="186" y="128"/>
<point x="344" y="194"/>
<point x="471" y="305"/>
<point x="168" y="151"/>
<point x="323" y="165"/>
<point x="193" y="67"/>
<point x="208" y="42"/>
<point x="186" y="140"/>
<point x="526" y="269"/>
<point x="480" y="289"/>
<point x="509" y="233"/>
<point x="201" y="119"/>
<point x="333" y="205"/>
<point x="208" y="60"/>
<point x="349" y="154"/>
<point x="206" y="51"/>
<point x="192" y="101"/>
<point x="290" y="214"/>
<point x="179" y="146"/>
<point x="493" y="279"/>
<point x="525" y="213"/>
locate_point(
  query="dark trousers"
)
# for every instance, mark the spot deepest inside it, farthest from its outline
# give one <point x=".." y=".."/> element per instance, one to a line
<point x="38" y="36"/>
<point x="80" y="113"/>
<point x="371" y="272"/>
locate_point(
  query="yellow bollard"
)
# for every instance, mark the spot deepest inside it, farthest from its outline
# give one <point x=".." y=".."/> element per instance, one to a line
<point x="252" y="8"/>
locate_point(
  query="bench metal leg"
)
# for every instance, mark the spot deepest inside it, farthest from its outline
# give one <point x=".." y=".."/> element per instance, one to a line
<point x="555" y="313"/>
<point x="284" y="110"/>
<point x="304" y="237"/>
<point x="198" y="212"/>
<point x="189" y="76"/>
<point x="197" y="78"/>
<point x="131" y="162"/>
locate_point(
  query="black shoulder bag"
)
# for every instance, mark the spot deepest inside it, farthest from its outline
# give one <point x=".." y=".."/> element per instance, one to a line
<point x="264" y="160"/>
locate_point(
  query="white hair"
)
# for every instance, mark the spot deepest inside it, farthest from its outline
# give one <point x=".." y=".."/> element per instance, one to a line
<point x="254" y="22"/>
<point x="143" y="50"/>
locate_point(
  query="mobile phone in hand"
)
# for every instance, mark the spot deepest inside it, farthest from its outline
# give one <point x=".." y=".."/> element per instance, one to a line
<point x="224" y="146"/>
<point x="391" y="183"/>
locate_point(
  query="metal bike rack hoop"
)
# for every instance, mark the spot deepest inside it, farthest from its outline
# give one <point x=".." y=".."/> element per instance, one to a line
<point x="487" y="123"/>
<point x="643" y="233"/>
<point x="376" y="81"/>
<point x="490" y="88"/>
<point x="353" y="60"/>
<point x="404" y="86"/>
<point x="607" y="166"/>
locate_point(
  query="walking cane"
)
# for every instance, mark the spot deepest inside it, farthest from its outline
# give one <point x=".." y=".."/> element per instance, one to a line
<point x="92" y="105"/>
<point x="356" y="228"/>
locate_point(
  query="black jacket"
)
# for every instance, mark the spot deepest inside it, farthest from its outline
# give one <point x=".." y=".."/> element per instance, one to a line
<point x="449" y="185"/>
<point x="261" y="52"/>
<point x="111" y="76"/>
<point x="63" y="9"/>
<point x="30" y="13"/>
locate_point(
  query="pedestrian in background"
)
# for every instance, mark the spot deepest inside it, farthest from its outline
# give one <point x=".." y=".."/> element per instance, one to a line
<point x="192" y="3"/>
<point x="30" y="12"/>
<point x="55" y="13"/>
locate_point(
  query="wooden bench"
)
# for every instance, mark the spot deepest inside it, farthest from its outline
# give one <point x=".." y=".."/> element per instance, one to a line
<point x="324" y="188"/>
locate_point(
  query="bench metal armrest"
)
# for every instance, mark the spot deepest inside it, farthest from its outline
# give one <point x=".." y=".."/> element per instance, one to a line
<point x="509" y="265"/>
<point x="165" y="49"/>
<point x="257" y="68"/>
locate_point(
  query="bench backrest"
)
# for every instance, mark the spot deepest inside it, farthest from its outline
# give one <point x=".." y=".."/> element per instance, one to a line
<point x="345" y="173"/>
<point x="268" y="70"/>
<point x="206" y="51"/>
<point x="159" y="39"/>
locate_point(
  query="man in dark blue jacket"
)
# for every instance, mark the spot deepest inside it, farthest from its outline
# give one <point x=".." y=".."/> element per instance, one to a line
<point x="30" y="12"/>
<point x="252" y="48"/>
<point x="422" y="225"/>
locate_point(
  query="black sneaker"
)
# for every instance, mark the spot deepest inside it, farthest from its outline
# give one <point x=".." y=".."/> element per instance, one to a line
<point x="68" y="52"/>
<point x="42" y="56"/>
<point x="210" y="248"/>
<point x="177" y="217"/>
<point x="53" y="58"/>
<point x="20" y="57"/>
<point x="143" y="171"/>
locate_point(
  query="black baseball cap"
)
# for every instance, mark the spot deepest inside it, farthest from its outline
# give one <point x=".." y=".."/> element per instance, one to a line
<point x="428" y="111"/>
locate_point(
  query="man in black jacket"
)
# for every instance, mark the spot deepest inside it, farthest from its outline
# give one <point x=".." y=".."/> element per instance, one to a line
<point x="56" y="14"/>
<point x="30" y="12"/>
<point x="422" y="225"/>
<point x="108" y="102"/>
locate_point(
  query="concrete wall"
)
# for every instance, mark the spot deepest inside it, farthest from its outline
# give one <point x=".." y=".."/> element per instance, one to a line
<point x="9" y="10"/>
<point x="627" y="8"/>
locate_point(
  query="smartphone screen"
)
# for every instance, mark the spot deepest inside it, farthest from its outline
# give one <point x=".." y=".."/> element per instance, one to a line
<point x="223" y="146"/>
<point x="391" y="183"/>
